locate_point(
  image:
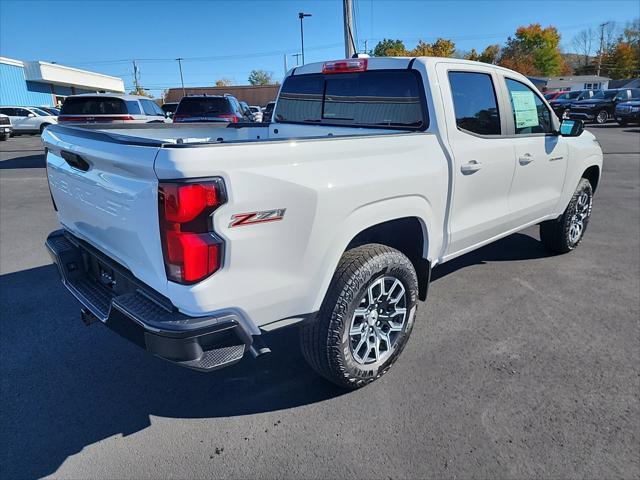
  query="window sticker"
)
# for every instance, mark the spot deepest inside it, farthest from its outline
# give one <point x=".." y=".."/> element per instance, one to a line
<point x="524" y="106"/>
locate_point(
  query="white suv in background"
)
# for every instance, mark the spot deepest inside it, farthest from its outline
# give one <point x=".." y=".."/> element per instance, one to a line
<point x="110" y="108"/>
<point x="28" y="119"/>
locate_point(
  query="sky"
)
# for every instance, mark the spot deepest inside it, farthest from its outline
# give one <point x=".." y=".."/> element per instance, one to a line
<point x="230" y="38"/>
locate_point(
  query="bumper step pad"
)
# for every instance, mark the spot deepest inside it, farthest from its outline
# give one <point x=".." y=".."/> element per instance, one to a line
<point x="199" y="343"/>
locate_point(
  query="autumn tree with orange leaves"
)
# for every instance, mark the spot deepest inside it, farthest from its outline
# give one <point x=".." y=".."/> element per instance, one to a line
<point x="534" y="51"/>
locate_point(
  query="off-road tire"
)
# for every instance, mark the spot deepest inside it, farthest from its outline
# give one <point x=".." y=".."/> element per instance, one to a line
<point x="325" y="342"/>
<point x="555" y="234"/>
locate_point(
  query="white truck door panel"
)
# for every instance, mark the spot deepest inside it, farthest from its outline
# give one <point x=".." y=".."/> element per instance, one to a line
<point x="540" y="154"/>
<point x="541" y="164"/>
<point x="483" y="160"/>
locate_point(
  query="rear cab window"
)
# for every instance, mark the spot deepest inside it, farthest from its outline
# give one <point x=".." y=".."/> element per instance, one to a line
<point x="373" y="99"/>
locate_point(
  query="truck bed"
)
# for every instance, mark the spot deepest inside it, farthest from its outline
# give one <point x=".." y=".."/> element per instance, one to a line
<point x="167" y="134"/>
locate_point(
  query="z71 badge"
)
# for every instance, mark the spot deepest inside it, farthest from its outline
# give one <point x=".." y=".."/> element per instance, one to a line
<point x="242" y="219"/>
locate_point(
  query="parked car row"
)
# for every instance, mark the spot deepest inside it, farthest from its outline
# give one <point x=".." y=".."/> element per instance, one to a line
<point x="599" y="106"/>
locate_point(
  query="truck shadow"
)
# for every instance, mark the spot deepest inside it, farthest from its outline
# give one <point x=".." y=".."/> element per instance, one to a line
<point x="66" y="386"/>
<point x="518" y="246"/>
<point x="26" y="161"/>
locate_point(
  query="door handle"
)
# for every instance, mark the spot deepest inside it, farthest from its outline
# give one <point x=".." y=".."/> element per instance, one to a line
<point x="471" y="167"/>
<point x="525" y="159"/>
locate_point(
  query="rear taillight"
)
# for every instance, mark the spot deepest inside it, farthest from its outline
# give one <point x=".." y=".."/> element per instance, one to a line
<point x="229" y="116"/>
<point x="345" y="66"/>
<point x="191" y="249"/>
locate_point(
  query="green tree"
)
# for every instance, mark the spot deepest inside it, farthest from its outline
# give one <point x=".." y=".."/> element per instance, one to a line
<point x="390" y="48"/>
<point x="260" y="77"/>
<point x="622" y="61"/>
<point x="534" y="51"/>
<point x="472" y="55"/>
<point x="443" y="47"/>
<point x="490" y="54"/>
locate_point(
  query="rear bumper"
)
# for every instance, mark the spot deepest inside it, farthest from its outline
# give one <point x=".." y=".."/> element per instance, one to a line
<point x="141" y="315"/>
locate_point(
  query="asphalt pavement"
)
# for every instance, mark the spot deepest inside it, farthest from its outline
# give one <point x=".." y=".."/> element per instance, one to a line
<point x="520" y="365"/>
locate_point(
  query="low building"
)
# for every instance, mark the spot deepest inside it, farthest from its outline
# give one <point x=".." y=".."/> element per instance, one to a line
<point x="40" y="83"/>
<point x="252" y="94"/>
<point x="577" y="82"/>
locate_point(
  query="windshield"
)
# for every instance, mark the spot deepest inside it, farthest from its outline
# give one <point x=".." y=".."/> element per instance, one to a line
<point x="605" y="94"/>
<point x="203" y="107"/>
<point x="40" y="113"/>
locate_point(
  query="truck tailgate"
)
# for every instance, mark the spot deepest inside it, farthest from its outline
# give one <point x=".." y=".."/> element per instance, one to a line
<point x="106" y="194"/>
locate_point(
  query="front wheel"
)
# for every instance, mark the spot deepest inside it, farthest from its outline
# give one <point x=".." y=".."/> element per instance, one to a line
<point x="365" y="319"/>
<point x="4" y="137"/>
<point x="565" y="233"/>
<point x="602" y="117"/>
<point x="43" y="126"/>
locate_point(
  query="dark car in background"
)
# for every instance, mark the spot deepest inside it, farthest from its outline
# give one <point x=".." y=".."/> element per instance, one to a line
<point x="53" y="111"/>
<point x="601" y="106"/>
<point x="169" y="108"/>
<point x="210" y="108"/>
<point x="110" y="108"/>
<point x="268" y="112"/>
<point x="627" y="112"/>
<point x="561" y="103"/>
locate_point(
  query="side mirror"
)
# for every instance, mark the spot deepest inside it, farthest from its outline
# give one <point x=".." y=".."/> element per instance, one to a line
<point x="31" y="115"/>
<point x="571" y="128"/>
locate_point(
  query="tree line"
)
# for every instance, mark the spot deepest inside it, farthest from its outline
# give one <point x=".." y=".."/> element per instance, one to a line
<point x="535" y="51"/>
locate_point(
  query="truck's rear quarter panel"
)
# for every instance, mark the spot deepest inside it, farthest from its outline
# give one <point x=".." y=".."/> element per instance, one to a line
<point x="331" y="188"/>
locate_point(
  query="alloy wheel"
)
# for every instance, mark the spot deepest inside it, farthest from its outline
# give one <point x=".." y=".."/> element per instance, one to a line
<point x="580" y="217"/>
<point x="378" y="320"/>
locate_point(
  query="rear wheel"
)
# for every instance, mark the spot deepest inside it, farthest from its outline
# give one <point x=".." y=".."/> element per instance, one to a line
<point x="565" y="233"/>
<point x="602" y="117"/>
<point x="365" y="319"/>
<point x="4" y="136"/>
<point x="43" y="126"/>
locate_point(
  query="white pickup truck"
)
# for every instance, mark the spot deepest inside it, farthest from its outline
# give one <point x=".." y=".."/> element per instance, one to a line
<point x="193" y="240"/>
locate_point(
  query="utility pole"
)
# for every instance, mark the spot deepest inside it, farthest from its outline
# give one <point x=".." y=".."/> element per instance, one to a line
<point x="301" y="16"/>
<point x="297" y="55"/>
<point x="184" y="92"/>
<point x="349" y="43"/>
<point x="285" y="64"/>
<point x="136" y="80"/>
<point x="602" y="25"/>
<point x="365" y="47"/>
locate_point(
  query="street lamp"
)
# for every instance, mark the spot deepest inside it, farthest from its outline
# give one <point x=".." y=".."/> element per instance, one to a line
<point x="301" y="15"/>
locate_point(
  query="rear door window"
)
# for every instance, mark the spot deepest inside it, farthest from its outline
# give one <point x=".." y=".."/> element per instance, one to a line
<point x="376" y="98"/>
<point x="94" y="106"/>
<point x="475" y="103"/>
